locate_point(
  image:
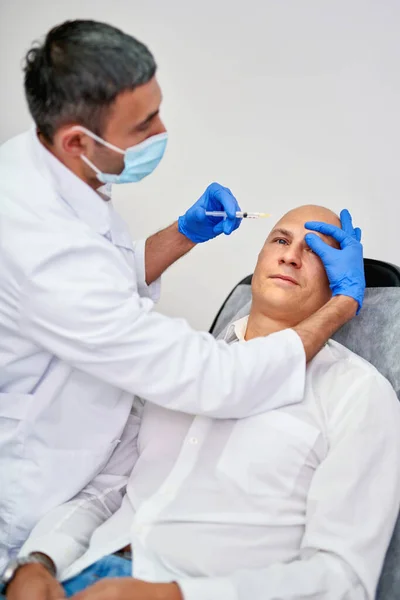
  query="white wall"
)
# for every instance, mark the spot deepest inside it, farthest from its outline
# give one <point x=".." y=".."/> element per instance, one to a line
<point x="284" y="101"/>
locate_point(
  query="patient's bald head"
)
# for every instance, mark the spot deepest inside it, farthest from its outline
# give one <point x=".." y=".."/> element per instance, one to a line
<point x="310" y="212"/>
<point x="290" y="281"/>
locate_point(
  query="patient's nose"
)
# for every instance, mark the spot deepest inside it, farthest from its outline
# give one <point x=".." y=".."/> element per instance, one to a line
<point x="291" y="255"/>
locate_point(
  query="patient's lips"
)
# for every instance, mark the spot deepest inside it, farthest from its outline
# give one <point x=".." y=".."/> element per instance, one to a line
<point x="285" y="279"/>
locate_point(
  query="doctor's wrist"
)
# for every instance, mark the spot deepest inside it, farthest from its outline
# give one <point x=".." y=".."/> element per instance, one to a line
<point x="346" y="306"/>
<point x="39" y="566"/>
<point x="31" y="570"/>
<point x="33" y="580"/>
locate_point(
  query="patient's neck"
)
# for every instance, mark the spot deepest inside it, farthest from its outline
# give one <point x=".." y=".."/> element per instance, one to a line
<point x="260" y="325"/>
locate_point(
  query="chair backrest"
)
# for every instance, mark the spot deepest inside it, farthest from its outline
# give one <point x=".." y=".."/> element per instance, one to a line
<point x="374" y="335"/>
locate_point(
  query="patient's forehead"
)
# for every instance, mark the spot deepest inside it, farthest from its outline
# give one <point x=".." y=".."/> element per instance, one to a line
<point x="294" y="220"/>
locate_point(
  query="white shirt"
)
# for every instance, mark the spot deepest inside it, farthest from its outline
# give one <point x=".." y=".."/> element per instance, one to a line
<point x="295" y="503"/>
<point x="78" y="339"/>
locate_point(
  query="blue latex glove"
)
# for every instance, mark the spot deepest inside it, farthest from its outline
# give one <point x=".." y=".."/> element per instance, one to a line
<point x="198" y="227"/>
<point x="344" y="267"/>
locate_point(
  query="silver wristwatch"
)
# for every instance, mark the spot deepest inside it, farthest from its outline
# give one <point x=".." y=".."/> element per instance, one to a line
<point x="13" y="566"/>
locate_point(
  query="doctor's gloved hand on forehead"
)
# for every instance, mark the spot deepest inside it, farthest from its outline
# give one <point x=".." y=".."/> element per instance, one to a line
<point x="344" y="266"/>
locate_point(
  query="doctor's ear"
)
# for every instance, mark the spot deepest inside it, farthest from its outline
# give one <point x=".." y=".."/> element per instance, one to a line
<point x="73" y="142"/>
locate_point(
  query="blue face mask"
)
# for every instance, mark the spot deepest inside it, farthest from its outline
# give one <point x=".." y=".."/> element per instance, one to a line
<point x="140" y="160"/>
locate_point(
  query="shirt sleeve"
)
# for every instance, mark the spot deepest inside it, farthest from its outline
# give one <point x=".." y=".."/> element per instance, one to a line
<point x="64" y="533"/>
<point x="152" y="291"/>
<point x="82" y="305"/>
<point x="352" y="507"/>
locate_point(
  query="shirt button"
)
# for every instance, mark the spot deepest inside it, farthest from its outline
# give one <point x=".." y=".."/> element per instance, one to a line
<point x="194" y="440"/>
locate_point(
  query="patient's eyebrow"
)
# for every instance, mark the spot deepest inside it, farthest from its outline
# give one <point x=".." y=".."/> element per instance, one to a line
<point x="281" y="231"/>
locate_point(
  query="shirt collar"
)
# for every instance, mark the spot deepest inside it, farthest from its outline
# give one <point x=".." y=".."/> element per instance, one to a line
<point x="87" y="204"/>
<point x="237" y="330"/>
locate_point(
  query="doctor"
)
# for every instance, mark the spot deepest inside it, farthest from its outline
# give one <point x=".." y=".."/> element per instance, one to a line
<point x="78" y="338"/>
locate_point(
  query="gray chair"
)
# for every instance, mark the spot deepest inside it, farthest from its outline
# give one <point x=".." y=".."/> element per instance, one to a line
<point x="374" y="335"/>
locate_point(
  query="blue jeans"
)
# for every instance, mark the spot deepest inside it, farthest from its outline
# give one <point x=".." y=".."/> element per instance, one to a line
<point x="109" y="566"/>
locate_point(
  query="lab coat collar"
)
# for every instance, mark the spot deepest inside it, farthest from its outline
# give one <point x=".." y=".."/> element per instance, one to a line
<point x="87" y="204"/>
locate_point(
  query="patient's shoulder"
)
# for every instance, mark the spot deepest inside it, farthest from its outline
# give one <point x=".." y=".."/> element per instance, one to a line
<point x="334" y="358"/>
<point x="339" y="377"/>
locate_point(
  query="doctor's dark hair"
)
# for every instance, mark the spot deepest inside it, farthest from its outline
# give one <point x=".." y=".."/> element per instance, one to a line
<point x="78" y="71"/>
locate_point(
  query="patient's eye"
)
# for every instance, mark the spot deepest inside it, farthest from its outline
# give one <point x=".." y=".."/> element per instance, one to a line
<point x="281" y="241"/>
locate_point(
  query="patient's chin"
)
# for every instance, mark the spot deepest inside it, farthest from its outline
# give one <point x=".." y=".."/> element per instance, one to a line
<point x="283" y="307"/>
<point x="290" y="304"/>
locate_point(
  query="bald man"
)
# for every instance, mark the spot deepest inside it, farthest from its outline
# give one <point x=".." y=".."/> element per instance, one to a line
<point x="296" y="503"/>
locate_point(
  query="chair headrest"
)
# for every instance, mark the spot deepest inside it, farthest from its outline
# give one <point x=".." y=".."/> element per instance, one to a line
<point x="381" y="274"/>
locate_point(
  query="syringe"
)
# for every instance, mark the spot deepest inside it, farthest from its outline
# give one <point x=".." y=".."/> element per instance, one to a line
<point x="239" y="214"/>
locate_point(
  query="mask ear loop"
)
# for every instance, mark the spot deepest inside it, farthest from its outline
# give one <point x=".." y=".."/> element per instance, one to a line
<point x="89" y="162"/>
<point x="97" y="139"/>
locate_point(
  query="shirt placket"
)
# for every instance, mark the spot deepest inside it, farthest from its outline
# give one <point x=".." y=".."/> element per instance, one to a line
<point x="145" y="564"/>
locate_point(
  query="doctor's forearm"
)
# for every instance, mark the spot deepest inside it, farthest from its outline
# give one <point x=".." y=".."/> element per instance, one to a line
<point x="317" y="329"/>
<point x="163" y="249"/>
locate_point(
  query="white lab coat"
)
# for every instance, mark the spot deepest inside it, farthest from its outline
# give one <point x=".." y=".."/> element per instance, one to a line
<point x="78" y="339"/>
